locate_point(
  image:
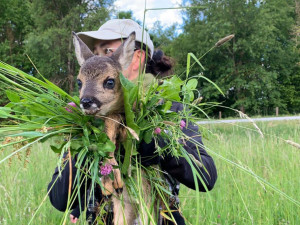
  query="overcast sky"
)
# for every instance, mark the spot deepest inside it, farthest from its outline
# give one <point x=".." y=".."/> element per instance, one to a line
<point x="166" y="17"/>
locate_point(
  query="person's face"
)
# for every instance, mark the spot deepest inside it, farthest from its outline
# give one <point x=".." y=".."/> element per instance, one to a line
<point x="106" y="48"/>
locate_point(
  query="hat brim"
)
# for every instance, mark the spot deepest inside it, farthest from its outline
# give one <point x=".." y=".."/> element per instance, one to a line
<point x="89" y="37"/>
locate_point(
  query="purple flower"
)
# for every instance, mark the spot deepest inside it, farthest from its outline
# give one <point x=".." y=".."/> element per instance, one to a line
<point x="106" y="169"/>
<point x="70" y="104"/>
<point x="182" y="124"/>
<point x="157" y="130"/>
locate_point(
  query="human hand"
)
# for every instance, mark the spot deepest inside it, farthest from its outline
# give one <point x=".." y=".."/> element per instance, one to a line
<point x="73" y="218"/>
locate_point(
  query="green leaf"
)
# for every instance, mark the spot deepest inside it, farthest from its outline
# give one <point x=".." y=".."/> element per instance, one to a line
<point x="216" y="86"/>
<point x="126" y="83"/>
<point x="28" y="134"/>
<point x="12" y="96"/>
<point x="5" y="112"/>
<point x="167" y="106"/>
<point x="95" y="130"/>
<point x="195" y="58"/>
<point x="109" y="146"/>
<point x="191" y="96"/>
<point x="58" y="147"/>
<point x="86" y="134"/>
<point x="111" y="176"/>
<point x="170" y="89"/>
<point x="76" y="144"/>
<point x="85" y="141"/>
<point x="148" y="136"/>
<point x="153" y="101"/>
<point x="130" y="92"/>
<point x="55" y="149"/>
<point x="127" y="144"/>
<point x="93" y="147"/>
<point x="95" y="169"/>
<point x="191" y="84"/>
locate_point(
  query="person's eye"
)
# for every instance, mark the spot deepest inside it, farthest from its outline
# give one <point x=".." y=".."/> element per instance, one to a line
<point x="109" y="84"/>
<point x="79" y="83"/>
<point x="108" y="51"/>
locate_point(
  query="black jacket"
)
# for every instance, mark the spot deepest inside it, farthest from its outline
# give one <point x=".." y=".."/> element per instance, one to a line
<point x="178" y="168"/>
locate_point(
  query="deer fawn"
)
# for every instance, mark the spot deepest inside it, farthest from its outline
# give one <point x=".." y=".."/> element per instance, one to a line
<point x="101" y="94"/>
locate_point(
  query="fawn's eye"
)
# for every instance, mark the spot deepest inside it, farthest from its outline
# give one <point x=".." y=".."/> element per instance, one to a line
<point x="109" y="83"/>
<point x="79" y="83"/>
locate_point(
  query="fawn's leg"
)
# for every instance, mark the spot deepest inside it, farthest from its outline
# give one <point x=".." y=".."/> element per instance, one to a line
<point x="124" y="209"/>
<point x="111" y="128"/>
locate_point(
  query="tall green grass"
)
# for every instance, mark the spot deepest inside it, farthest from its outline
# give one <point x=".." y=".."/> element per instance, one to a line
<point x="23" y="187"/>
<point x="237" y="198"/>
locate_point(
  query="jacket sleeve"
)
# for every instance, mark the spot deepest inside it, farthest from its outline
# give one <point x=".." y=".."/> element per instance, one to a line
<point x="59" y="186"/>
<point x="180" y="169"/>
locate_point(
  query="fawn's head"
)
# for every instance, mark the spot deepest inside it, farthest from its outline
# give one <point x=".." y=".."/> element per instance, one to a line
<point x="98" y="80"/>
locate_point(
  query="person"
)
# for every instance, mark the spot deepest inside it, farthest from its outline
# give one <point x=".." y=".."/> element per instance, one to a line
<point x="104" y="42"/>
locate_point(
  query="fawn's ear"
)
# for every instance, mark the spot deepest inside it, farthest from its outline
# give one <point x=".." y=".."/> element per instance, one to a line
<point x="81" y="49"/>
<point x="125" y="52"/>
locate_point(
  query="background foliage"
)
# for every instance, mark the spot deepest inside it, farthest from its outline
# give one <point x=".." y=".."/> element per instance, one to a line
<point x="258" y="70"/>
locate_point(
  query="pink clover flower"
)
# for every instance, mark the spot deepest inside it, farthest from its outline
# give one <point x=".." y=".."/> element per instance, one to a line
<point x="182" y="124"/>
<point x="70" y="104"/>
<point x="157" y="130"/>
<point x="106" y="169"/>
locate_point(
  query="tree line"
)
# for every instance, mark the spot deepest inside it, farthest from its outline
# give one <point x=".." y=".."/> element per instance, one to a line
<point x="258" y="70"/>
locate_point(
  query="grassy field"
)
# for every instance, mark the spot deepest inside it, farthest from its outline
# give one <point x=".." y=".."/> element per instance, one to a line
<point x="238" y="197"/>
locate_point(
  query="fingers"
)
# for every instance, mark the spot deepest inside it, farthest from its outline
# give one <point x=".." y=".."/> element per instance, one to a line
<point x="73" y="218"/>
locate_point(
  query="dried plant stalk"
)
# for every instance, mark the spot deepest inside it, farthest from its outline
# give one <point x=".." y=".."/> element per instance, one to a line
<point x="27" y="154"/>
<point x="224" y="40"/>
<point x="197" y="101"/>
<point x="169" y="123"/>
<point x="198" y="163"/>
<point x="244" y="116"/>
<point x="293" y="143"/>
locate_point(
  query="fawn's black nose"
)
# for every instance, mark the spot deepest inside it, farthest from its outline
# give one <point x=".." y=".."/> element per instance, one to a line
<point x="86" y="102"/>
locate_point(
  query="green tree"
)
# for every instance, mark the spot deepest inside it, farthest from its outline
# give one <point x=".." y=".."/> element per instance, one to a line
<point x="124" y="15"/>
<point x="127" y="15"/>
<point x="14" y="26"/>
<point x="284" y="56"/>
<point x="163" y="36"/>
<point x="295" y="103"/>
<point x="49" y="43"/>
<point x="256" y="68"/>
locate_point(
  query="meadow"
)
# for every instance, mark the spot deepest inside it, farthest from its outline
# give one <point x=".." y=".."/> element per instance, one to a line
<point x="258" y="179"/>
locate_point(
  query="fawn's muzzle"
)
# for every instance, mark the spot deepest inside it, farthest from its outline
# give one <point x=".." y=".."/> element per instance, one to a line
<point x="89" y="103"/>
